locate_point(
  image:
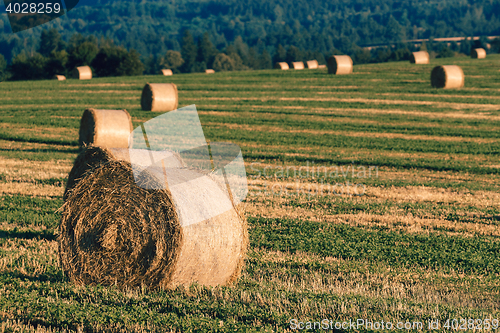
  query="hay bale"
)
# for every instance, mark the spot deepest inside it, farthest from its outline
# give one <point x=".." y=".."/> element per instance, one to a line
<point x="166" y="72"/>
<point x="82" y="73"/>
<point x="209" y="71"/>
<point x="113" y="231"/>
<point x="59" y="77"/>
<point x="312" y="64"/>
<point x="450" y="76"/>
<point x="298" y="65"/>
<point x="339" y="64"/>
<point x="159" y="97"/>
<point x="105" y="128"/>
<point x="419" y="58"/>
<point x="322" y="66"/>
<point x="478" y="53"/>
<point x="281" y="65"/>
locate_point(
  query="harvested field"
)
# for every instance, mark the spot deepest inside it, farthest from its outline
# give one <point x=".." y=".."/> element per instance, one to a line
<point x="370" y="196"/>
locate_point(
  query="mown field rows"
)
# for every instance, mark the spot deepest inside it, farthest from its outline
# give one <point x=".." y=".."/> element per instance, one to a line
<point x="372" y="196"/>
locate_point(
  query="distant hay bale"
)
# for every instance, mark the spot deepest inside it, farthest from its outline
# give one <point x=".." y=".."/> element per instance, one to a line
<point x="105" y="128"/>
<point x="166" y="72"/>
<point x="298" y="65"/>
<point x="113" y="231"/>
<point x="340" y="64"/>
<point x="281" y="65"/>
<point x="312" y="64"/>
<point x="82" y="73"/>
<point x="321" y="66"/>
<point x="59" y="77"/>
<point x="209" y="71"/>
<point x="450" y="76"/>
<point x="478" y="53"/>
<point x="419" y="58"/>
<point x="159" y="97"/>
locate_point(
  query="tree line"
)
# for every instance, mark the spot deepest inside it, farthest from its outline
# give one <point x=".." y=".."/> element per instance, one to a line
<point x="54" y="56"/>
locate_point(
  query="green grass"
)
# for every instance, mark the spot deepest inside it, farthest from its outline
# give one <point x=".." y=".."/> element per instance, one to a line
<point x="310" y="257"/>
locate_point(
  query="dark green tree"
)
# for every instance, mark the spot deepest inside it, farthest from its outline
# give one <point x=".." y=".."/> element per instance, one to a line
<point x="32" y="68"/>
<point x="280" y="55"/>
<point x="265" y="61"/>
<point x="82" y="54"/>
<point x="173" y="60"/>
<point x="206" y="50"/>
<point x="56" y="63"/>
<point x="188" y="52"/>
<point x="117" y="61"/>
<point x="50" y="41"/>
<point x="293" y="54"/>
<point x="3" y="68"/>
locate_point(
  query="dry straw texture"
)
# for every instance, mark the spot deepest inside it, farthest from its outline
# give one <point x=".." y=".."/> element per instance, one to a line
<point x="281" y="65"/>
<point x="321" y="66"/>
<point x="82" y="73"/>
<point x="159" y="97"/>
<point x="450" y="76"/>
<point x="59" y="77"/>
<point x="312" y="64"/>
<point x="478" y="53"/>
<point x="209" y="71"/>
<point x="166" y="72"/>
<point x="340" y="65"/>
<point x="105" y="128"/>
<point x="115" y="232"/>
<point x="298" y="65"/>
<point x="419" y="58"/>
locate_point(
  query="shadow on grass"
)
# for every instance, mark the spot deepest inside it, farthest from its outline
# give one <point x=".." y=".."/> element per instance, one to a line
<point x="44" y="234"/>
<point x="51" y="276"/>
<point x="4" y="136"/>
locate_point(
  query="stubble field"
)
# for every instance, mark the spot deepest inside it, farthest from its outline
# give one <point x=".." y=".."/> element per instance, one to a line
<point x="372" y="196"/>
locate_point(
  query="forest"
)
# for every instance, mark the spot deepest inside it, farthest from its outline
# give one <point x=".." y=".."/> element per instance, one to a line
<point x="235" y="35"/>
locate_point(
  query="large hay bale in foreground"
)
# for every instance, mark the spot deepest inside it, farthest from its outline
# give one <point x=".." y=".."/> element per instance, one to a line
<point x="105" y="128"/>
<point x="340" y="64"/>
<point x="115" y="232"/>
<point x="419" y="58"/>
<point x="449" y="76"/>
<point x="312" y="64"/>
<point x="478" y="53"/>
<point x="82" y="73"/>
<point x="298" y="65"/>
<point x="159" y="97"/>
<point x="209" y="71"/>
<point x="59" y="77"/>
<point x="281" y="65"/>
<point x="166" y="72"/>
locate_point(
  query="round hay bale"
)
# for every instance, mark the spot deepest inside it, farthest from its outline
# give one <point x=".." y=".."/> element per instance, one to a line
<point x="105" y="128"/>
<point x="82" y="73"/>
<point x="450" y="76"/>
<point x="159" y="97"/>
<point x="312" y="64"/>
<point x="339" y="65"/>
<point x="478" y="53"/>
<point x="321" y="66"/>
<point x="298" y="65"/>
<point x="166" y="72"/>
<point x="113" y="231"/>
<point x="209" y="71"/>
<point x="59" y="77"/>
<point x="281" y="65"/>
<point x="419" y="58"/>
